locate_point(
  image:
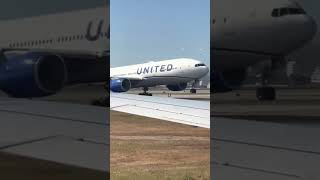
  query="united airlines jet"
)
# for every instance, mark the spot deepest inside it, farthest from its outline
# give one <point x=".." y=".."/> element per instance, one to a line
<point x="40" y="55"/>
<point x="246" y="32"/>
<point x="175" y="74"/>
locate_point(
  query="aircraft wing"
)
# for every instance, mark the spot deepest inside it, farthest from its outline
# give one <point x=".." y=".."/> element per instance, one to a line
<point x="70" y="134"/>
<point x="189" y="112"/>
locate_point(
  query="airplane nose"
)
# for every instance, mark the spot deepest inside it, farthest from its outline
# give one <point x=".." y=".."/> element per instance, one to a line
<point x="206" y="70"/>
<point x="313" y="27"/>
<point x="310" y="28"/>
<point x="303" y="30"/>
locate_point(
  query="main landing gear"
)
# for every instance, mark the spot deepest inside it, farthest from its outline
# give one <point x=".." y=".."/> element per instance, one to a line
<point x="266" y="92"/>
<point x="194" y="84"/>
<point x="193" y="91"/>
<point x="145" y="92"/>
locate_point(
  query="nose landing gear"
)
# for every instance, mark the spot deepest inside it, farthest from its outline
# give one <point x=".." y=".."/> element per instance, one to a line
<point x="193" y="91"/>
<point x="266" y="93"/>
<point x="194" y="84"/>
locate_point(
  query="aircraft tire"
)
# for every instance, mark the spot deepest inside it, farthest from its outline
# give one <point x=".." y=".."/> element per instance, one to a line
<point x="193" y="91"/>
<point x="266" y="93"/>
<point x="145" y="94"/>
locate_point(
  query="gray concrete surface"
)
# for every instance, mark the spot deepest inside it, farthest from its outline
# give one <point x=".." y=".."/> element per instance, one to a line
<point x="266" y="140"/>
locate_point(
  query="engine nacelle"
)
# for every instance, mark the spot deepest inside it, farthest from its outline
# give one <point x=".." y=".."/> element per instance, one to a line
<point x="32" y="74"/>
<point x="227" y="80"/>
<point x="120" y="85"/>
<point x="177" y="87"/>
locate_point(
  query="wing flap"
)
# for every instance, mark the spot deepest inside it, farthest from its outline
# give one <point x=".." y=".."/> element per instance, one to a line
<point x="66" y="150"/>
<point x="70" y="134"/>
<point x="195" y="113"/>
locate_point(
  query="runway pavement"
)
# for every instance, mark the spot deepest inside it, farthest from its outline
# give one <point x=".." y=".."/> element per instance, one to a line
<point x="266" y="140"/>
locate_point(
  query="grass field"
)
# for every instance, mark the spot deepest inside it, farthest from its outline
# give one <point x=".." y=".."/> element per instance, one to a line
<point x="15" y="167"/>
<point x="144" y="148"/>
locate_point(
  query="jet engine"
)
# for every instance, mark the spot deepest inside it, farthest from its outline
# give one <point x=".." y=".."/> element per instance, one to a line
<point x="32" y="74"/>
<point x="120" y="85"/>
<point x="177" y="87"/>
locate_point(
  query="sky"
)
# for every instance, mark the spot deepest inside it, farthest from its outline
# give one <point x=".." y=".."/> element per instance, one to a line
<point x="152" y="30"/>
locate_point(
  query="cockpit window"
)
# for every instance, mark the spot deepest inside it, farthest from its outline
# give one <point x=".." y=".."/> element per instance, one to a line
<point x="198" y="65"/>
<point x="296" y="11"/>
<point x="279" y="12"/>
<point x="284" y="11"/>
<point x="275" y="13"/>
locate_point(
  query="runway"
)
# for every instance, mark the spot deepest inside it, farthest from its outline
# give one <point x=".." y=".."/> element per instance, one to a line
<point x="266" y="140"/>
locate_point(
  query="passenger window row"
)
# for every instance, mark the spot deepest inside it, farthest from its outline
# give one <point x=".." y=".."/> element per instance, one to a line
<point x="287" y="11"/>
<point x="60" y="39"/>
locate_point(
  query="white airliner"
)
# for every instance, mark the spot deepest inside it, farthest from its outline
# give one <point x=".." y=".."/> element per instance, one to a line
<point x="43" y="54"/>
<point x="256" y="31"/>
<point x="174" y="73"/>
